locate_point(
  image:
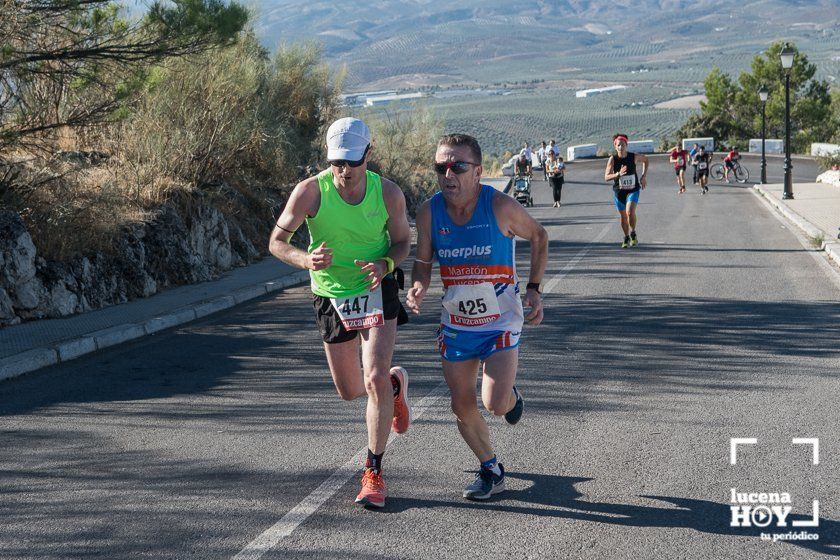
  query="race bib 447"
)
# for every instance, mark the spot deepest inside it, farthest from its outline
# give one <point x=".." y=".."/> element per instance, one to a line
<point x="361" y="311"/>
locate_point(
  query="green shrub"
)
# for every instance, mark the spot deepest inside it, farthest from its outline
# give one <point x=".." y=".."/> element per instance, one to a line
<point x="231" y="126"/>
<point x="231" y="115"/>
<point x="404" y="144"/>
<point x="829" y="162"/>
<point x="666" y="144"/>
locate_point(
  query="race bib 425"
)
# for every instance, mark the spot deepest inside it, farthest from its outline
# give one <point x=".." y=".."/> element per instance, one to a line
<point x="472" y="305"/>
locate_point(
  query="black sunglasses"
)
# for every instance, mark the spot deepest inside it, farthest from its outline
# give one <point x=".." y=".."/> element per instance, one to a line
<point x="457" y="167"/>
<point x="354" y="163"/>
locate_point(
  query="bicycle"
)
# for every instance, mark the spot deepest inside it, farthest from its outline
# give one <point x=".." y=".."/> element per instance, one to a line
<point x="741" y="174"/>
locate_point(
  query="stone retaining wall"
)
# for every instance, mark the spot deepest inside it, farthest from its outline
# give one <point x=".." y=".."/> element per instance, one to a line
<point x="167" y="250"/>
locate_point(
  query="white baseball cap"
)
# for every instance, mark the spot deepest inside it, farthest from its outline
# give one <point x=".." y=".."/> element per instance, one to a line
<point x="347" y="139"/>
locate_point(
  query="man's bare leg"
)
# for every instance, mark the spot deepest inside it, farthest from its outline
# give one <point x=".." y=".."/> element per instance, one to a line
<point x="461" y="378"/>
<point x="625" y="225"/>
<point x="497" y="383"/>
<point x="343" y="359"/>
<point x="377" y="352"/>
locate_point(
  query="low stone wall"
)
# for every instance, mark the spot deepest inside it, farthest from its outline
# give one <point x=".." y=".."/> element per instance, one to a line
<point x="641" y="146"/>
<point x="707" y="141"/>
<point x="167" y="250"/>
<point x="771" y="146"/>
<point x="582" y="151"/>
<point x="823" y="149"/>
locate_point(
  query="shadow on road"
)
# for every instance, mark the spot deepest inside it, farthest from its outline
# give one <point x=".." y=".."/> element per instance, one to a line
<point x="683" y="326"/>
<point x="260" y="348"/>
<point x="556" y="496"/>
<point x="198" y="506"/>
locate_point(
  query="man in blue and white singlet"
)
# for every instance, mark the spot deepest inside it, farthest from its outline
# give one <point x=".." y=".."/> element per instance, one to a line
<point x="470" y="228"/>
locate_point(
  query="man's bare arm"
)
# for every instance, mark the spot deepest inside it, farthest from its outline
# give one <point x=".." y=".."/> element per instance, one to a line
<point x="513" y="219"/>
<point x="398" y="232"/>
<point x="421" y="272"/>
<point x="303" y="202"/>
<point x="608" y="175"/>
<point x="398" y="228"/>
<point x="643" y="159"/>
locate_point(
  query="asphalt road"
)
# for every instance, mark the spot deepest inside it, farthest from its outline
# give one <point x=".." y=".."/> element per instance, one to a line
<point x="193" y="442"/>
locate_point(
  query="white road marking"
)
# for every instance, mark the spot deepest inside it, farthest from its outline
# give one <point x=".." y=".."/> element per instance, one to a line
<point x="555" y="280"/>
<point x="272" y="536"/>
<point x="814" y="443"/>
<point x="733" y="447"/>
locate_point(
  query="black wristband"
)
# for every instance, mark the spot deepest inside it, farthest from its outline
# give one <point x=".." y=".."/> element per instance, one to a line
<point x="533" y="286"/>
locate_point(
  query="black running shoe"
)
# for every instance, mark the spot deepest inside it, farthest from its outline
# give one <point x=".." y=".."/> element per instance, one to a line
<point x="514" y="414"/>
<point x="486" y="484"/>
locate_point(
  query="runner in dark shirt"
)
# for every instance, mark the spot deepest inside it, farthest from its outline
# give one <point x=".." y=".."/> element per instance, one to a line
<point x="627" y="182"/>
<point x="703" y="161"/>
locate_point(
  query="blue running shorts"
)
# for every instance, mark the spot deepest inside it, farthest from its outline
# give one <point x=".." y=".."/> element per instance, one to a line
<point x="621" y="199"/>
<point x="458" y="345"/>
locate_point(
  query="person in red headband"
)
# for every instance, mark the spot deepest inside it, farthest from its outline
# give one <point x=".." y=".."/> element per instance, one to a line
<point x="627" y="183"/>
<point x="679" y="157"/>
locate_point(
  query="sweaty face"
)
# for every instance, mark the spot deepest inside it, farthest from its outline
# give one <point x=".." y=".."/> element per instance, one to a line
<point x="346" y="176"/>
<point x="458" y="188"/>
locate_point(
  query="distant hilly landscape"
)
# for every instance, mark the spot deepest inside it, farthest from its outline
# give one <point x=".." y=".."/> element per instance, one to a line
<point x="410" y="43"/>
<point x="535" y="55"/>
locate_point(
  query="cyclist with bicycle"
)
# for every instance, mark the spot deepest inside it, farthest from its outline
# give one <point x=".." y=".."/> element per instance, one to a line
<point x="730" y="162"/>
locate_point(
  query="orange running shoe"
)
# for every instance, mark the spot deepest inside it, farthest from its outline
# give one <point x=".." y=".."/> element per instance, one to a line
<point x="402" y="410"/>
<point x="373" y="490"/>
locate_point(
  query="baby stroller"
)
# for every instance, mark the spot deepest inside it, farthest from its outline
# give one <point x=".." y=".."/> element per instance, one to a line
<point x="522" y="191"/>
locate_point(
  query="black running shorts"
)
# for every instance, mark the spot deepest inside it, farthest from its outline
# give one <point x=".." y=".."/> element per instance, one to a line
<point x="333" y="332"/>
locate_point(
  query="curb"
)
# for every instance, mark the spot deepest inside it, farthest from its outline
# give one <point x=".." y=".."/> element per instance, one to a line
<point x="71" y="349"/>
<point x="833" y="250"/>
<point x="830" y="247"/>
<point x="798" y="221"/>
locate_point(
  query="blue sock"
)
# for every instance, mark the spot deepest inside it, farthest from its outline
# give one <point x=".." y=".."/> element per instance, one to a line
<point x="492" y="465"/>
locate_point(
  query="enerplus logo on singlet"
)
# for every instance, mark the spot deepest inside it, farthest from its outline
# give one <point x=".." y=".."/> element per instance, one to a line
<point x="465" y="252"/>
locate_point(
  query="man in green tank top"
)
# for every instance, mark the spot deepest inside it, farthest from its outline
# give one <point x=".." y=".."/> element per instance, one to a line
<point x="359" y="230"/>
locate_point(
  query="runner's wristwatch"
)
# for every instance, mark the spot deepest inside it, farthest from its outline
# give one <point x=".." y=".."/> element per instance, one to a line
<point x="389" y="264"/>
<point x="533" y="286"/>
